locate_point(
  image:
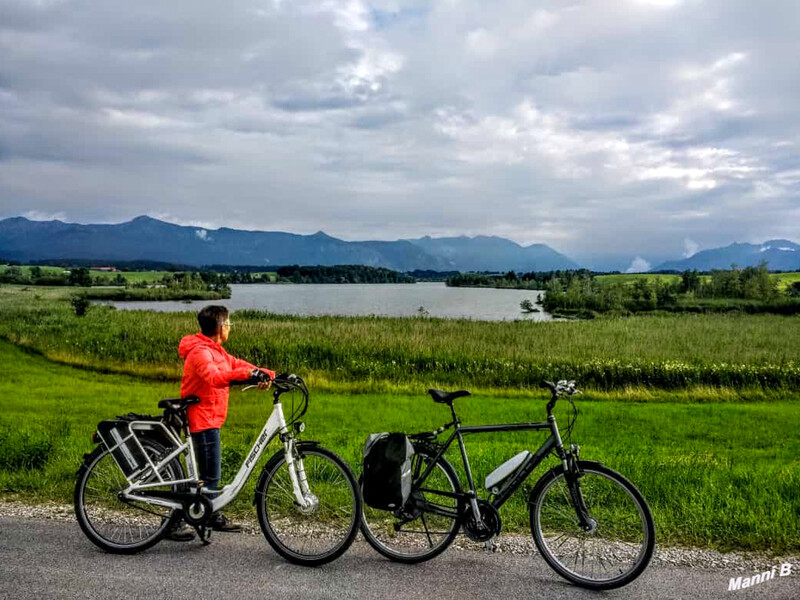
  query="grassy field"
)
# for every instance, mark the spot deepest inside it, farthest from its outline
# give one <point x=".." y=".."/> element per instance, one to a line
<point x="629" y="278"/>
<point x="787" y="279"/>
<point x="130" y="276"/>
<point x="134" y="276"/>
<point x="784" y="279"/>
<point x="155" y="276"/>
<point x="723" y="475"/>
<point x="45" y="270"/>
<point x="663" y="352"/>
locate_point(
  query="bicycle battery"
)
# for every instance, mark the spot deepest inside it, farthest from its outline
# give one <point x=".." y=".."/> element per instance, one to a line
<point x="120" y="441"/>
<point x="497" y="479"/>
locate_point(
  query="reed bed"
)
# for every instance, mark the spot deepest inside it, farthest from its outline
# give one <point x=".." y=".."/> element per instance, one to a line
<point x="661" y="352"/>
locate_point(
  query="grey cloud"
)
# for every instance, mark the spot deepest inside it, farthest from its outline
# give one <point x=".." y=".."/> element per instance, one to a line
<point x="608" y="130"/>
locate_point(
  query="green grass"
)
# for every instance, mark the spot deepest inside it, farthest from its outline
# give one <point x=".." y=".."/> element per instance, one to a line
<point x="151" y="294"/>
<point x="723" y="475"/>
<point x="134" y="276"/>
<point x="664" y="351"/>
<point x="131" y="276"/>
<point x="786" y="279"/>
<point x="630" y="278"/>
<point x="45" y="270"/>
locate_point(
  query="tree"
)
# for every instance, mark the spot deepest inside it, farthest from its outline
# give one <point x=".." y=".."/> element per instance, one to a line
<point x="80" y="277"/>
<point x="690" y="281"/>
<point x="14" y="274"/>
<point x="80" y="304"/>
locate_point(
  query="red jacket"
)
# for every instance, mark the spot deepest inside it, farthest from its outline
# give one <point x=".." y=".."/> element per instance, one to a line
<point x="207" y="373"/>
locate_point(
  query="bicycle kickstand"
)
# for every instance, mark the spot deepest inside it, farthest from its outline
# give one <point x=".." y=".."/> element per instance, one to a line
<point x="204" y="533"/>
<point x="489" y="546"/>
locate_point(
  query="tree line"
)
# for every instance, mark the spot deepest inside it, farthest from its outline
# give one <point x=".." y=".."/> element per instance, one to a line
<point x="752" y="289"/>
<point x="341" y="274"/>
<point x="524" y="281"/>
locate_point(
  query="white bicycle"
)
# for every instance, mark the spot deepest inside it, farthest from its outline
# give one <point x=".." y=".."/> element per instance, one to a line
<point x="142" y="479"/>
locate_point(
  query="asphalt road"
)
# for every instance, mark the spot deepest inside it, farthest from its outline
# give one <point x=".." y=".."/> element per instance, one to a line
<point x="51" y="559"/>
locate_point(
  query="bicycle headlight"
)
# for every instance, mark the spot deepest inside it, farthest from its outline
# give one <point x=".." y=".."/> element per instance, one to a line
<point x="299" y="427"/>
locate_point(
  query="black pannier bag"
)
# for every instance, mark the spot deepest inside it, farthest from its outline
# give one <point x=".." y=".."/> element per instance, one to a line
<point x="387" y="470"/>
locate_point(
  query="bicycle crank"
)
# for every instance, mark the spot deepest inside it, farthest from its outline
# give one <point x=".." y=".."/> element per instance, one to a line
<point x="197" y="511"/>
<point x="491" y="523"/>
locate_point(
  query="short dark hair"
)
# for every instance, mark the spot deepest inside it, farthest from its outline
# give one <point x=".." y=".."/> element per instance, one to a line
<point x="211" y="317"/>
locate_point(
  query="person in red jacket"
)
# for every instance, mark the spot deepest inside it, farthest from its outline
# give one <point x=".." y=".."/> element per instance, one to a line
<point x="208" y="371"/>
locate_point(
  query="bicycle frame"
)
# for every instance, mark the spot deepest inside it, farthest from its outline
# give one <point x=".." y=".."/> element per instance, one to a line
<point x="553" y="442"/>
<point x="142" y="481"/>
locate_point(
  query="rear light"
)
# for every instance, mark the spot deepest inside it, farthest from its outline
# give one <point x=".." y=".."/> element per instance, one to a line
<point x="96" y="438"/>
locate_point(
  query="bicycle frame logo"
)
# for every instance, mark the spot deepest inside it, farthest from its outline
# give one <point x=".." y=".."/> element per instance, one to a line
<point x="256" y="452"/>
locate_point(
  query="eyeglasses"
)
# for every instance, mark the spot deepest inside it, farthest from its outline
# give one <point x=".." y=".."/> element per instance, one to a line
<point x="226" y="324"/>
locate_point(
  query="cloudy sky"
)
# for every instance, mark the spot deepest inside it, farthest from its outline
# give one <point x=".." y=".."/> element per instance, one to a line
<point x="615" y="131"/>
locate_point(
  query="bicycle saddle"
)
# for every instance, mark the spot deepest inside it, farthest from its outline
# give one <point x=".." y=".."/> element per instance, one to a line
<point x="447" y="397"/>
<point x="178" y="403"/>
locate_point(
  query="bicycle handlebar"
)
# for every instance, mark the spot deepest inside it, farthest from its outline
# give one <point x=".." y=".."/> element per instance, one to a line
<point x="557" y="389"/>
<point x="283" y="382"/>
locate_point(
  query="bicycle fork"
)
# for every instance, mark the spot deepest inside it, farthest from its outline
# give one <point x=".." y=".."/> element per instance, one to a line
<point x="572" y="475"/>
<point x="304" y="499"/>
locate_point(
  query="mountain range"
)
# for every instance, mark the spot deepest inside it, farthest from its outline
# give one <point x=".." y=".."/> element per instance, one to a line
<point x="780" y="255"/>
<point x="149" y="239"/>
<point x="146" y="238"/>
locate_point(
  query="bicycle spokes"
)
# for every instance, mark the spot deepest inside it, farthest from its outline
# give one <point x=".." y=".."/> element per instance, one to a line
<point x="615" y="544"/>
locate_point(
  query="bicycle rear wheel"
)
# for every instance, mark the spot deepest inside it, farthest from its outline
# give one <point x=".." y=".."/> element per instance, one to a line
<point x="415" y="533"/>
<point x="324" y="531"/>
<point x="620" y="547"/>
<point x="118" y="526"/>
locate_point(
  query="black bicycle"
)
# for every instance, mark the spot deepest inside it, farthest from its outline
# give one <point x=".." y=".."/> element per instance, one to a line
<point x="590" y="523"/>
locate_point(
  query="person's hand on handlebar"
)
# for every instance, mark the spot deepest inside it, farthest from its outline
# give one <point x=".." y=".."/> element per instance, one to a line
<point x="263" y="378"/>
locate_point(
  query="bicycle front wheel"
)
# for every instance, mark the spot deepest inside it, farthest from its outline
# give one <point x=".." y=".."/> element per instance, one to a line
<point x="115" y="525"/>
<point x="616" y="551"/>
<point x="324" y="530"/>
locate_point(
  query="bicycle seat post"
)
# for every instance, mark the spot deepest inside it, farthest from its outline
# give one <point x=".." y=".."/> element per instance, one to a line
<point x="453" y="411"/>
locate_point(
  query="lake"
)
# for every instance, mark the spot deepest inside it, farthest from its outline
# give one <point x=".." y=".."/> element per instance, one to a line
<point x="397" y="300"/>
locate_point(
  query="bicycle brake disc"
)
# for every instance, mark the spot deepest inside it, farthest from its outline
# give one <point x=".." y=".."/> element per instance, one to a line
<point x="491" y="523"/>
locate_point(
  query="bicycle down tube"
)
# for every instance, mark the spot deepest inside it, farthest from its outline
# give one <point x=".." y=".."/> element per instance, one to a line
<point x="553" y="441"/>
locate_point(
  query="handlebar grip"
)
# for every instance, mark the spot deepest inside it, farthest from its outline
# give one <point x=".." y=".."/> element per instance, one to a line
<point x="257" y="376"/>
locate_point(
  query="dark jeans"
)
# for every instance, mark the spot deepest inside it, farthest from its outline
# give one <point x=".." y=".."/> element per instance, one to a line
<point x="208" y="452"/>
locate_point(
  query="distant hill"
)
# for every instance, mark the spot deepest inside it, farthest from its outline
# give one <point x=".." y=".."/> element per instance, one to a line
<point x="145" y="238"/>
<point x="780" y="255"/>
<point x="488" y="253"/>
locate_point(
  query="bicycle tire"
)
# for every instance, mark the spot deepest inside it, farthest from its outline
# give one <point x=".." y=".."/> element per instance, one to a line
<point x="103" y="518"/>
<point x="609" y="498"/>
<point x="377" y="525"/>
<point x="282" y="521"/>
